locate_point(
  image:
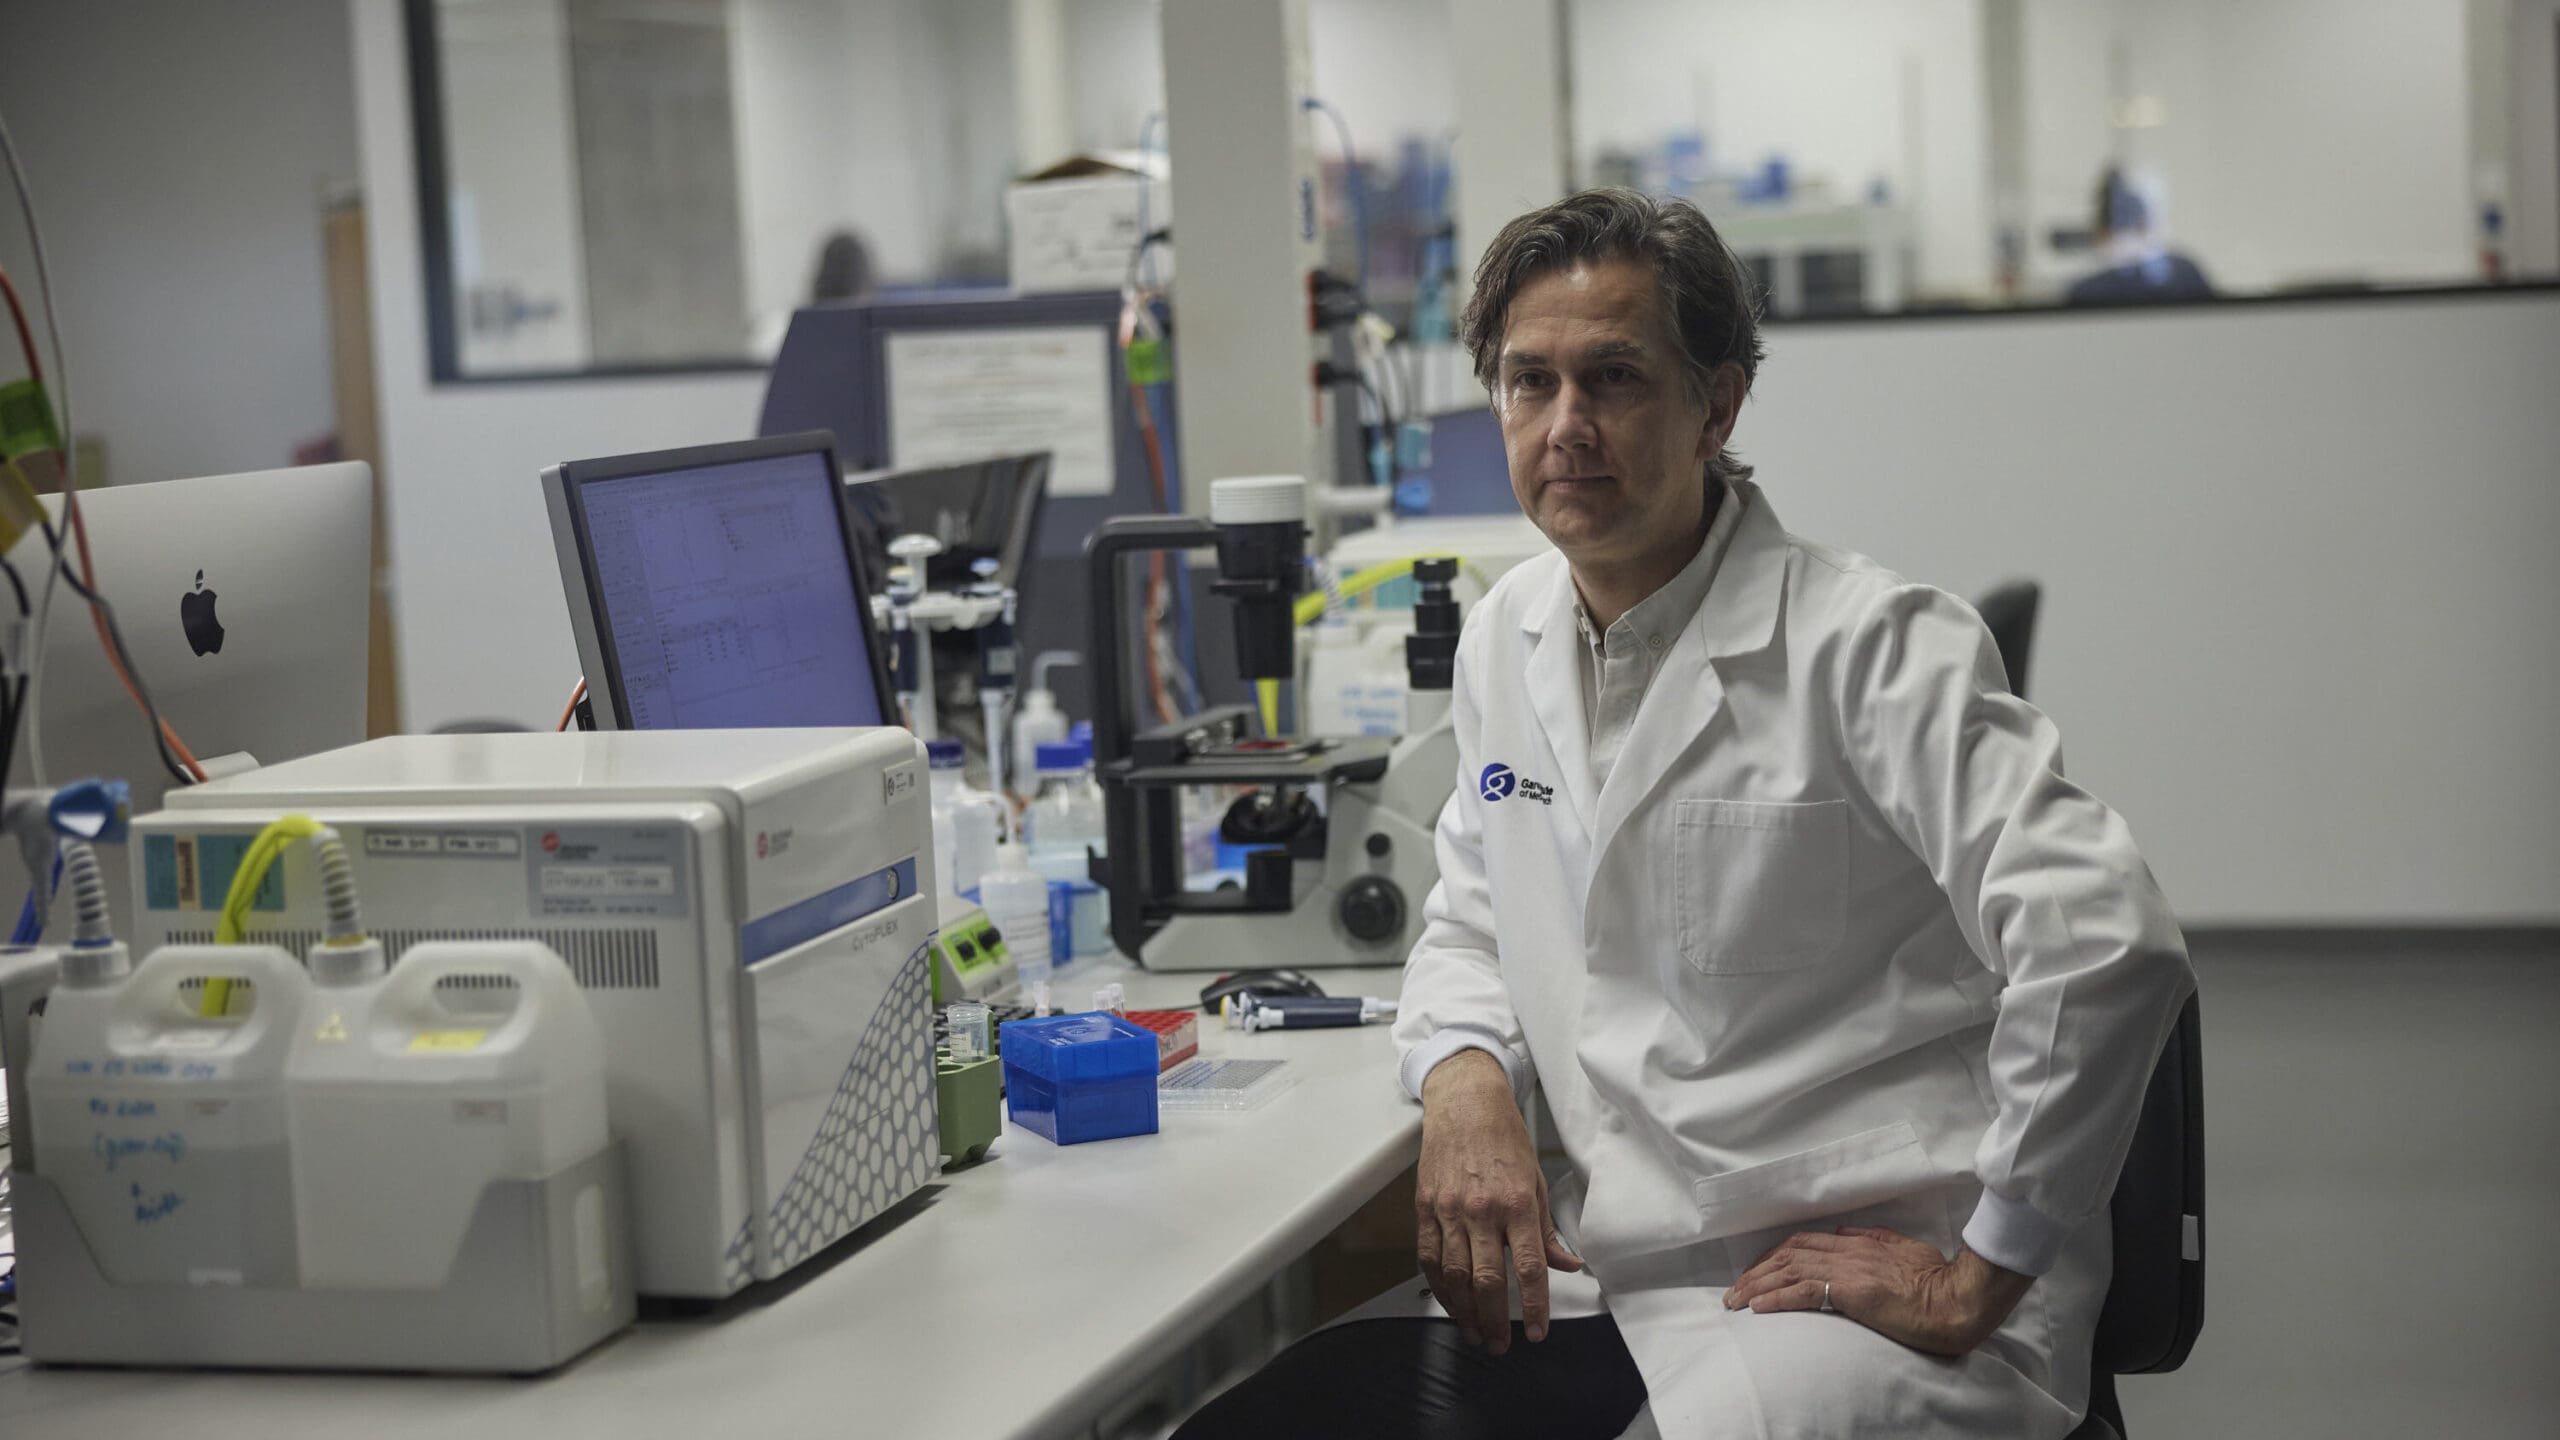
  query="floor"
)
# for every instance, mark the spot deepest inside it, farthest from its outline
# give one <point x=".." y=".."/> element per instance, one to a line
<point x="2383" y="1192"/>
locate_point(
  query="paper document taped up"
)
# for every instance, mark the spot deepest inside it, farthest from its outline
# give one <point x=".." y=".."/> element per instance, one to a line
<point x="966" y="395"/>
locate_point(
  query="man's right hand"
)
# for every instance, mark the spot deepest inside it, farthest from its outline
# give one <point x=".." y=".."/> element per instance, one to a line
<point x="1480" y="1201"/>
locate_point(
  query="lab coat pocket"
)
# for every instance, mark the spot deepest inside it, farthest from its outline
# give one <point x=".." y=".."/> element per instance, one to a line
<point x="1868" y="1168"/>
<point x="1763" y="886"/>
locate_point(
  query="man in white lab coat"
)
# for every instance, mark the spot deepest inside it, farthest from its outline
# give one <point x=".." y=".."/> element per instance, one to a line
<point x="1843" y="998"/>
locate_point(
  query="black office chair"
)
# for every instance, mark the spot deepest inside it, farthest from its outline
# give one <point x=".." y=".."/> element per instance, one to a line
<point x="2155" y="1303"/>
<point x="2010" y="612"/>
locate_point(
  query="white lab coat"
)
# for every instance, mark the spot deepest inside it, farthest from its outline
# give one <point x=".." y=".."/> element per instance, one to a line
<point x="1835" y="943"/>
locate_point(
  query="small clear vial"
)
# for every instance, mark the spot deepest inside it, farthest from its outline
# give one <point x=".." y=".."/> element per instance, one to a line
<point x="968" y="1022"/>
<point x="1111" y="999"/>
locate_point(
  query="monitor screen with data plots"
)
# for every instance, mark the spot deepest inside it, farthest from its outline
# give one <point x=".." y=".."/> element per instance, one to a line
<point x="719" y="587"/>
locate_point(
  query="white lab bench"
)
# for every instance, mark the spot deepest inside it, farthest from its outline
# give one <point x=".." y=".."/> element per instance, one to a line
<point x="1066" y="1275"/>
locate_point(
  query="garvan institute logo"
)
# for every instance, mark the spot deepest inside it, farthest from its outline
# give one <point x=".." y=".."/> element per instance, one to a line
<point x="1499" y="782"/>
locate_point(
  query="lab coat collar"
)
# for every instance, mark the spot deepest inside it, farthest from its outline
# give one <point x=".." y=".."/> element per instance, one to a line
<point x="1739" y="617"/>
<point x="1741" y="612"/>
<point x="1555" y="688"/>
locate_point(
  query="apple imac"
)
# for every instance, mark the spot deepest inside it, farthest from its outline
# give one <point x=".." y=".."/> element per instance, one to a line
<point x="244" y="601"/>
<point x="718" y="587"/>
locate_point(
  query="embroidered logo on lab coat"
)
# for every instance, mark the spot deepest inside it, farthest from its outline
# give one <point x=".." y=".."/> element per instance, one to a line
<point x="1499" y="783"/>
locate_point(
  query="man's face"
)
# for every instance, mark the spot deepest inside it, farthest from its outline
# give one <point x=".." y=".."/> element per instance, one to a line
<point x="1608" y="452"/>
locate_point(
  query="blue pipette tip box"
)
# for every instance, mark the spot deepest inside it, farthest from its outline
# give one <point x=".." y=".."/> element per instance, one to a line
<point x="1075" y="1078"/>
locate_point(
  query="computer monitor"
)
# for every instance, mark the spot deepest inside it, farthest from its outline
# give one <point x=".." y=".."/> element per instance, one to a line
<point x="718" y="587"/>
<point x="244" y="602"/>
<point x="1470" y="473"/>
<point x="838" y="372"/>
<point x="981" y="510"/>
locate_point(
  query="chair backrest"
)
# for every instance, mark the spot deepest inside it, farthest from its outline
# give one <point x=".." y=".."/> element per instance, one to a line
<point x="2009" y="611"/>
<point x="2155" y="1304"/>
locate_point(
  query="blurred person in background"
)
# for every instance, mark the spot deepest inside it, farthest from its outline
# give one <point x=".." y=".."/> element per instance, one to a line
<point x="2139" y="268"/>
<point x="844" y="270"/>
<point x="843" y="276"/>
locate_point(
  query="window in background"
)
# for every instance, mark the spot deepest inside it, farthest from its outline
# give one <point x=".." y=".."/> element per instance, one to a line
<point x="1384" y="135"/>
<point x="1878" y="155"/>
<point x="1385" y="141"/>
<point x="1838" y="143"/>
<point x="650" y="85"/>
<point x="648" y="184"/>
<point x="651" y="184"/>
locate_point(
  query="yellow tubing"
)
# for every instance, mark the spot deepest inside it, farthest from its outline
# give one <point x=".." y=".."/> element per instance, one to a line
<point x="1310" y="609"/>
<point x="245" y="881"/>
<point x="1359" y="582"/>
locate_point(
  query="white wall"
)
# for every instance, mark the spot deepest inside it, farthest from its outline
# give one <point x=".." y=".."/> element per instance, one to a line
<point x="1849" y="90"/>
<point x="791" y="64"/>
<point x="1236" y="76"/>
<point x="1044" y="123"/>
<point x="1384" y="64"/>
<point x="974" y="108"/>
<point x="2534" y="156"/>
<point x="1516" y="151"/>
<point x="1116" y="58"/>
<point x="2489" y="125"/>
<point x="476" y="590"/>
<point x="2340" y="129"/>
<point x="836" y="106"/>
<point x="2299" y="596"/>
<point x="2304" y="139"/>
<point x="180" y="154"/>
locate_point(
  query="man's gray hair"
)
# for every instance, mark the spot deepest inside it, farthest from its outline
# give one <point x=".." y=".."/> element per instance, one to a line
<point x="1712" y="304"/>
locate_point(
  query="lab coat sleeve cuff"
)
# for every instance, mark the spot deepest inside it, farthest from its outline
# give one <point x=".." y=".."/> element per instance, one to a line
<point x="1448" y="1041"/>
<point x="2014" y="1235"/>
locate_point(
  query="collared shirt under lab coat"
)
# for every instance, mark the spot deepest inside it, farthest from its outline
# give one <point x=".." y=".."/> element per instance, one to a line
<point x="1833" y="942"/>
<point x="1619" y="662"/>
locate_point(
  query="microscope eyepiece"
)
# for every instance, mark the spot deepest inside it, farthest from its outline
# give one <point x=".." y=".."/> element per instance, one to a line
<point x="1262" y="546"/>
<point x="1431" y="651"/>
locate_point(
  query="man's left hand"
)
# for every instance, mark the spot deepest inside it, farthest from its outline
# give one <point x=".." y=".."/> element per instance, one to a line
<point x="1899" y="1287"/>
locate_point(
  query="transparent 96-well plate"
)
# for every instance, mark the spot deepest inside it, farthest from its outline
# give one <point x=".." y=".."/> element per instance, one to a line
<point x="1202" y="1084"/>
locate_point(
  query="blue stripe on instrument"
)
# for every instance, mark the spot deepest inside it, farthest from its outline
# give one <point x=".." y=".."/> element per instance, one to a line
<point x="770" y="935"/>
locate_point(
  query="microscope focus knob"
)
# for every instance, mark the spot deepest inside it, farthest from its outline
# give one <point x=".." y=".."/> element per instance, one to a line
<point x="1372" y="909"/>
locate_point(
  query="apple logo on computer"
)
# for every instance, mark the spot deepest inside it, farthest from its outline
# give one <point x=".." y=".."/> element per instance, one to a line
<point x="195" y="612"/>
